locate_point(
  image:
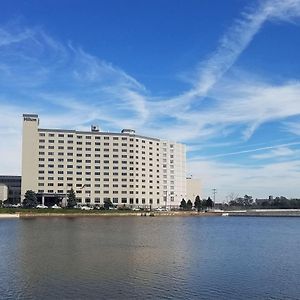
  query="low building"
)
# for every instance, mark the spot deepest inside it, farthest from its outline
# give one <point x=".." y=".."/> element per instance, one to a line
<point x="13" y="184"/>
<point x="3" y="192"/>
<point x="193" y="188"/>
<point x="269" y="200"/>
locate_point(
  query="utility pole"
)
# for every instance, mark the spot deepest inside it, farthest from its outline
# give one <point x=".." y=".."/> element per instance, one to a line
<point x="214" y="193"/>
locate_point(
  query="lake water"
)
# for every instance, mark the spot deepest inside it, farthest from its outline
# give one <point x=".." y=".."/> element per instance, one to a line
<point x="150" y="258"/>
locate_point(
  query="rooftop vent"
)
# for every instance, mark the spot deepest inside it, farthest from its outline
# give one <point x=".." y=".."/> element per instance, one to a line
<point x="128" y="131"/>
<point x="95" y="128"/>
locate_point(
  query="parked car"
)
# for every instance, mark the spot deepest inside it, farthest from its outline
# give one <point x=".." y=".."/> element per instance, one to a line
<point x="136" y="208"/>
<point x="112" y="208"/>
<point x="55" y="206"/>
<point x="86" y="208"/>
<point x="41" y="206"/>
<point x="16" y="205"/>
<point x="160" y="209"/>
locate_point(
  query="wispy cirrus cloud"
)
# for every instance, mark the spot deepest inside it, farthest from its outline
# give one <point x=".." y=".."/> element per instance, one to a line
<point x="242" y="97"/>
<point x="276" y="153"/>
<point x="235" y="40"/>
<point x="277" y="150"/>
<point x="292" y="127"/>
<point x="279" y="178"/>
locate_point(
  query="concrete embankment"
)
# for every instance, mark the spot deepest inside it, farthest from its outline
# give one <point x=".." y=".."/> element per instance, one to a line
<point x="233" y="213"/>
<point x="9" y="216"/>
<point x="115" y="214"/>
<point x="31" y="214"/>
<point x="264" y="213"/>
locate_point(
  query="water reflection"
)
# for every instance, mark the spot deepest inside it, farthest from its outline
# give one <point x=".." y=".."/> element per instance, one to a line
<point x="117" y="258"/>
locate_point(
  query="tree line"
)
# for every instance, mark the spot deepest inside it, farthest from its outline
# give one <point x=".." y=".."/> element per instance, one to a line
<point x="277" y="202"/>
<point x="198" y="204"/>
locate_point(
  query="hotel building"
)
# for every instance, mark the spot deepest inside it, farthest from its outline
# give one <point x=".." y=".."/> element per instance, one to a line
<point x="126" y="168"/>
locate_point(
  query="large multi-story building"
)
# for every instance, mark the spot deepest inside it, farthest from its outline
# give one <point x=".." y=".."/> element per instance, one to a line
<point x="126" y="168"/>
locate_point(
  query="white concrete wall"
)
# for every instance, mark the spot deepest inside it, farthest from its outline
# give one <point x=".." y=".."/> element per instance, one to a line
<point x="29" y="153"/>
<point x="173" y="165"/>
<point x="3" y="192"/>
<point x="193" y="189"/>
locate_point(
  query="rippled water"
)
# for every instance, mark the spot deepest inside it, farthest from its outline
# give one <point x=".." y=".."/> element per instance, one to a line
<point x="150" y="258"/>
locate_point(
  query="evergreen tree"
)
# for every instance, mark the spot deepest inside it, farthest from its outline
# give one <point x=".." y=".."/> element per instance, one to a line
<point x="71" y="198"/>
<point x="183" y="204"/>
<point x="189" y="205"/>
<point x="198" y="203"/>
<point x="209" y="202"/>
<point x="30" y="199"/>
<point x="107" y="203"/>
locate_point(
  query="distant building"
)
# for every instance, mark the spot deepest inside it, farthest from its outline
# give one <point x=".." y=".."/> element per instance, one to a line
<point x="193" y="188"/>
<point x="125" y="168"/>
<point x="264" y="201"/>
<point x="11" y="184"/>
<point x="3" y="192"/>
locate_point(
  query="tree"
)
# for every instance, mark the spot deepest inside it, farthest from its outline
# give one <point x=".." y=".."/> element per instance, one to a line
<point x="248" y="200"/>
<point x="198" y="203"/>
<point x="231" y="198"/>
<point x="107" y="203"/>
<point x="71" y="199"/>
<point x="189" y="205"/>
<point x="183" y="204"/>
<point x="30" y="199"/>
<point x="209" y="203"/>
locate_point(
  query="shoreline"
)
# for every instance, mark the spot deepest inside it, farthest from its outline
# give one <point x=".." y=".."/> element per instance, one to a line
<point x="21" y="214"/>
<point x="73" y="214"/>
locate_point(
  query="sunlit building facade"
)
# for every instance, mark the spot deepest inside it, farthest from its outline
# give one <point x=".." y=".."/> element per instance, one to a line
<point x="126" y="168"/>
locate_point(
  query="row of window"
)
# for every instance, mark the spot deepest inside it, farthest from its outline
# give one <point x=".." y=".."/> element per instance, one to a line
<point x="88" y="161"/>
<point x="89" y="137"/>
<point x="116" y="200"/>
<point x="98" y="185"/>
<point x="42" y="141"/>
<point x="51" y="153"/>
<point x="96" y="198"/>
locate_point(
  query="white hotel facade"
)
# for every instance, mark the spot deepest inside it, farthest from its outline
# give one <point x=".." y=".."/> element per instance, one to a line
<point x="127" y="168"/>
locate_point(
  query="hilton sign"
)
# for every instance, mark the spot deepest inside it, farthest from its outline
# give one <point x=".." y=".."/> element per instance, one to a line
<point x="29" y="119"/>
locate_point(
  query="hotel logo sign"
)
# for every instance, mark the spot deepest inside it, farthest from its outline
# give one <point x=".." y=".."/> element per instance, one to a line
<point x="29" y="119"/>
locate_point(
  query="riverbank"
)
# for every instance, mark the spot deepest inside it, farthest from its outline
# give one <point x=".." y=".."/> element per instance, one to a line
<point x="263" y="213"/>
<point x="30" y="213"/>
<point x="9" y="216"/>
<point x="21" y="213"/>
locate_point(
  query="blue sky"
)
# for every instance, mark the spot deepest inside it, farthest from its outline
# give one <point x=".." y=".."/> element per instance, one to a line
<point x="220" y="76"/>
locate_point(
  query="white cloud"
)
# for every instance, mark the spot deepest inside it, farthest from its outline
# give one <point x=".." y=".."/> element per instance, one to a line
<point x="276" y="149"/>
<point x="234" y="42"/>
<point x="292" y="127"/>
<point x="279" y="152"/>
<point x="259" y="181"/>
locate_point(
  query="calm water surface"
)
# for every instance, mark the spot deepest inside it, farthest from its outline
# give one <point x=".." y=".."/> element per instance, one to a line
<point x="150" y="258"/>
